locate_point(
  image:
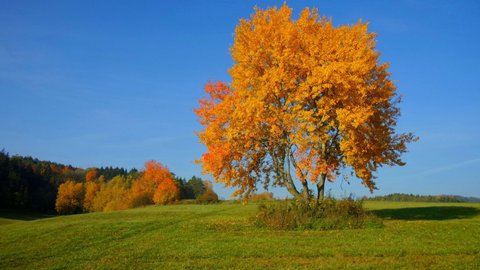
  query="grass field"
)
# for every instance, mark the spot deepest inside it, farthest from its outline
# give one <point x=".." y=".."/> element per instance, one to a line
<point x="415" y="235"/>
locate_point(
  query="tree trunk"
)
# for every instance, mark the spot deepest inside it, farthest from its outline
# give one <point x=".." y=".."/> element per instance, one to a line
<point x="302" y="195"/>
<point x="305" y="193"/>
<point x="321" y="188"/>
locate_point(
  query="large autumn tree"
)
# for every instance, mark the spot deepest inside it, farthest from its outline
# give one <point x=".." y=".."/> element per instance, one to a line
<point x="307" y="101"/>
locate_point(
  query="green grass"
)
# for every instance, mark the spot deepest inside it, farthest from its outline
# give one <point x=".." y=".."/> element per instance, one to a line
<point x="415" y="236"/>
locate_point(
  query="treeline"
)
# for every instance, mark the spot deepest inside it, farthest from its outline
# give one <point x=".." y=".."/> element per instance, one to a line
<point x="401" y="197"/>
<point x="28" y="183"/>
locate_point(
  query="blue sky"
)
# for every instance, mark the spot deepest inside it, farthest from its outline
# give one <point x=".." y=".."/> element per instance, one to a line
<point x="113" y="83"/>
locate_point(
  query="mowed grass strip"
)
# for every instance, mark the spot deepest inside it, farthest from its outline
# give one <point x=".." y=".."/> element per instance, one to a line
<point x="222" y="236"/>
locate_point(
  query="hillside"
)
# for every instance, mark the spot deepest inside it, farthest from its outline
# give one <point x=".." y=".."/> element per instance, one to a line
<point x="402" y="197"/>
<point x="222" y="236"/>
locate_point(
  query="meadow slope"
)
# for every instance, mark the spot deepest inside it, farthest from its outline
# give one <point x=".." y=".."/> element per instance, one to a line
<point x="222" y="236"/>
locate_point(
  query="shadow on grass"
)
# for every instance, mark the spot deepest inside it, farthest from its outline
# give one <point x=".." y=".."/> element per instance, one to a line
<point x="24" y="215"/>
<point x="428" y="213"/>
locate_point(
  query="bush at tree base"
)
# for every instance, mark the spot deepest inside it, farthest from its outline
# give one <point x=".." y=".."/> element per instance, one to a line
<point x="331" y="214"/>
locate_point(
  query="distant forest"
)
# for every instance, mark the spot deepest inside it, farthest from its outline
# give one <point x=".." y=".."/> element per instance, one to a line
<point x="29" y="183"/>
<point x="401" y="197"/>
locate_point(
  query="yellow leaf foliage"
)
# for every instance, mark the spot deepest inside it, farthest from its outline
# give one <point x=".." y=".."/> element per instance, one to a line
<point x="69" y="198"/>
<point x="91" y="189"/>
<point x="306" y="97"/>
<point x="112" y="195"/>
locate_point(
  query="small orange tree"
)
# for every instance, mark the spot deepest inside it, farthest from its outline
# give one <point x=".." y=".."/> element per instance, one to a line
<point x="149" y="184"/>
<point x="112" y="195"/>
<point x="91" y="189"/>
<point x="166" y="192"/>
<point x="69" y="198"/>
<point x="91" y="175"/>
<point x="307" y="100"/>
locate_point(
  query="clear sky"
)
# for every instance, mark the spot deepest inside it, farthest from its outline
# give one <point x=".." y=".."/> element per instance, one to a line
<point x="113" y="83"/>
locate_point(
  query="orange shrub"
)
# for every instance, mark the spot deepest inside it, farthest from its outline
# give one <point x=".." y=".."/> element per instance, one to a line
<point x="69" y="198"/>
<point x="167" y="192"/>
<point x="91" y="176"/>
<point x="91" y="189"/>
<point x="144" y="189"/>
